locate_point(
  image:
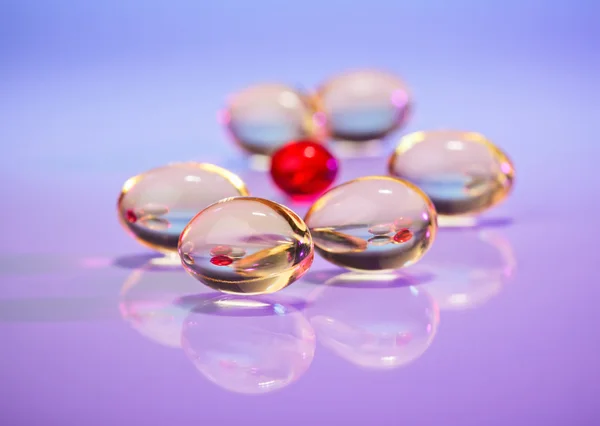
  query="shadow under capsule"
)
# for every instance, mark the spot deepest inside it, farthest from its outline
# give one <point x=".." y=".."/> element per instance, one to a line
<point x="247" y="344"/>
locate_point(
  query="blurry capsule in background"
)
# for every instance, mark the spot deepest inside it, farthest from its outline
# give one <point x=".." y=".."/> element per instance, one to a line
<point x="264" y="117"/>
<point x="248" y="345"/>
<point x="246" y="245"/>
<point x="374" y="321"/>
<point x="462" y="172"/>
<point x="363" y="105"/>
<point x="372" y="223"/>
<point x="155" y="206"/>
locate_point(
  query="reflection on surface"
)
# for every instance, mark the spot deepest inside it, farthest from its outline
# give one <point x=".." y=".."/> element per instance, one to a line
<point x="471" y="267"/>
<point x="249" y="345"/>
<point x="466" y="221"/>
<point x="148" y="261"/>
<point x="373" y="326"/>
<point x="148" y="301"/>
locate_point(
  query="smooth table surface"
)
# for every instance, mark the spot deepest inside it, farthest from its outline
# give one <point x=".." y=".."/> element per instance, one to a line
<point x="497" y="325"/>
<point x="92" y="332"/>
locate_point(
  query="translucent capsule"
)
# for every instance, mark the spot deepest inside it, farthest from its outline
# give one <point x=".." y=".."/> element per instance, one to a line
<point x="462" y="172"/>
<point x="375" y="321"/>
<point x="264" y="117"/>
<point x="363" y="105"/>
<point x="155" y="206"/>
<point x="272" y="244"/>
<point x="248" y="345"/>
<point x="353" y="224"/>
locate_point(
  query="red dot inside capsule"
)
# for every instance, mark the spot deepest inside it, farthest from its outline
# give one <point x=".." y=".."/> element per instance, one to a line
<point x="221" y="260"/>
<point x="403" y="236"/>
<point x="130" y="216"/>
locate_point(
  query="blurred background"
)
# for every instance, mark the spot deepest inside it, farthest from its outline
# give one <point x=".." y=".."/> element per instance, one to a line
<point x="93" y="92"/>
<point x="112" y="85"/>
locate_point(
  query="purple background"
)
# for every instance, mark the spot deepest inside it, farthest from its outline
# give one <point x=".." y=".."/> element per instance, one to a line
<point x="91" y="93"/>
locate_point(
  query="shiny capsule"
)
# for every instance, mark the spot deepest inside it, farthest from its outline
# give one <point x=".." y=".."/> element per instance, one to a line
<point x="272" y="246"/>
<point x="363" y="105"/>
<point x="264" y="117"/>
<point x="462" y="172"/>
<point x="353" y="224"/>
<point x="156" y="205"/>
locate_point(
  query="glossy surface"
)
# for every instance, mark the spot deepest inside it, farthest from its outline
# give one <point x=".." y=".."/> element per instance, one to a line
<point x="462" y="282"/>
<point x="264" y="117"/>
<point x="155" y="206"/>
<point x="276" y="245"/>
<point x="394" y="335"/>
<point x="462" y="172"/>
<point x="149" y="301"/>
<point x="363" y="105"/>
<point x="303" y="168"/>
<point x="248" y="345"/>
<point x="373" y="224"/>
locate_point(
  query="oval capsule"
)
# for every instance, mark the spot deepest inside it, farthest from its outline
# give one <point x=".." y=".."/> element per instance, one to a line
<point x="275" y="245"/>
<point x="155" y="206"/>
<point x="462" y="172"/>
<point x="264" y="117"/>
<point x="373" y="223"/>
<point x="363" y="105"/>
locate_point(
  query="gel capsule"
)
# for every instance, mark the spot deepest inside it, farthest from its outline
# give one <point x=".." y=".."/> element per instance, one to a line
<point x="303" y="168"/>
<point x="155" y="206"/>
<point x="275" y="245"/>
<point x="373" y="223"/>
<point x="462" y="172"/>
<point x="363" y="105"/>
<point x="264" y="117"/>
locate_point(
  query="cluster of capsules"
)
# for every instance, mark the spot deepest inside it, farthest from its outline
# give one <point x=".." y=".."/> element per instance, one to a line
<point x="236" y="243"/>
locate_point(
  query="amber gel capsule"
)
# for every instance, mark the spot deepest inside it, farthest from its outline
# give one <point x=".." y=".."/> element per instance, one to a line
<point x="155" y="206"/>
<point x="462" y="172"/>
<point x="374" y="223"/>
<point x="273" y="246"/>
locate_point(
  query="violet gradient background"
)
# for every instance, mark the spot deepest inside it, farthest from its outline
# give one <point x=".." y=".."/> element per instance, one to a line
<point x="93" y="92"/>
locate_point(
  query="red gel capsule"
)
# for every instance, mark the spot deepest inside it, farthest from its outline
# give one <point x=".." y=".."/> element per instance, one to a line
<point x="303" y="169"/>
